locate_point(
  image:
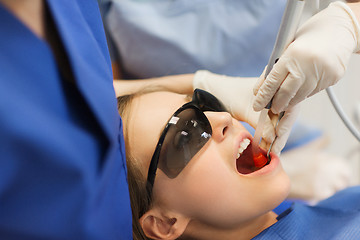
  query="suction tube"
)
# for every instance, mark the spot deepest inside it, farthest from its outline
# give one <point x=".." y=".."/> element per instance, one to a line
<point x="342" y="114"/>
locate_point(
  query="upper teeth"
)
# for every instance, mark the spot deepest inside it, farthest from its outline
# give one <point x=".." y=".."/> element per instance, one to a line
<point x="243" y="145"/>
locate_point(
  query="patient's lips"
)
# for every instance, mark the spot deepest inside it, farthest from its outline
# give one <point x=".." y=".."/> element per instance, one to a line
<point x="247" y="162"/>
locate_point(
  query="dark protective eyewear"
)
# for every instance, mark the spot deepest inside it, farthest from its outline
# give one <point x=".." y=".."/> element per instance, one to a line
<point x="187" y="131"/>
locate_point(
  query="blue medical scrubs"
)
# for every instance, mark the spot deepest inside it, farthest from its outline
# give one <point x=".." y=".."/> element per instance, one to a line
<point x="157" y="38"/>
<point x="337" y="217"/>
<point x="62" y="158"/>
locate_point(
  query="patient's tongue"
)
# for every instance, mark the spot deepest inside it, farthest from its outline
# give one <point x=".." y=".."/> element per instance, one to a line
<point x="248" y="162"/>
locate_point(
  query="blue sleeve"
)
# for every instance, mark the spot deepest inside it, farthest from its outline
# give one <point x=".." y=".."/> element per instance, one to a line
<point x="62" y="170"/>
<point x="232" y="37"/>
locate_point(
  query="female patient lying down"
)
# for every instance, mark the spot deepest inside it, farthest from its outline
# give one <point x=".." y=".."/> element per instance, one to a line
<point x="192" y="175"/>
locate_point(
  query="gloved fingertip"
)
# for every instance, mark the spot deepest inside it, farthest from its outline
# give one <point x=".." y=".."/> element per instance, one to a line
<point x="268" y="132"/>
<point x="274" y="110"/>
<point x="276" y="148"/>
<point x="257" y="106"/>
<point x="268" y="139"/>
<point x="258" y="84"/>
<point x="255" y="90"/>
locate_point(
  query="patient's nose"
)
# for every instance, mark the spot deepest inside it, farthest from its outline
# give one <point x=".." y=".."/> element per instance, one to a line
<point x="220" y="122"/>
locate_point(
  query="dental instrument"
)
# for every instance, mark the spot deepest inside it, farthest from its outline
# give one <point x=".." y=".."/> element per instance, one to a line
<point x="289" y="24"/>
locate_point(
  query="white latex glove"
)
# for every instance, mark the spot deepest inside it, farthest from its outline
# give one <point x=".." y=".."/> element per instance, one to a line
<point x="315" y="60"/>
<point x="237" y="96"/>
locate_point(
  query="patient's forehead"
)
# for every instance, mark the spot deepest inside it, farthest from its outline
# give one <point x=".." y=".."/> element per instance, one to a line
<point x="148" y="117"/>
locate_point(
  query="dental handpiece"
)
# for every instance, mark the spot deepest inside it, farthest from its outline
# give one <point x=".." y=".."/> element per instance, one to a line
<point x="286" y="34"/>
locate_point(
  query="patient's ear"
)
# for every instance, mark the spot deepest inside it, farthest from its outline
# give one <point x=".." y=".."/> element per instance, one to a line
<point x="158" y="224"/>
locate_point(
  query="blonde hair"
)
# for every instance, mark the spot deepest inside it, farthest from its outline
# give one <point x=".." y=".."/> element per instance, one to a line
<point x="139" y="199"/>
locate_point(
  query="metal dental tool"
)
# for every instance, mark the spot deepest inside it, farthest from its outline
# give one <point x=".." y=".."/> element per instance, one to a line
<point x="289" y="24"/>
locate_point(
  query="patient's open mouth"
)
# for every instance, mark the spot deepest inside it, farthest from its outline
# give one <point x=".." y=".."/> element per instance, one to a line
<point x="247" y="161"/>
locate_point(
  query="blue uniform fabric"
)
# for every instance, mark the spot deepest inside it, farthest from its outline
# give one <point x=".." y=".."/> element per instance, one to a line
<point x="62" y="166"/>
<point x="156" y="37"/>
<point x="337" y="217"/>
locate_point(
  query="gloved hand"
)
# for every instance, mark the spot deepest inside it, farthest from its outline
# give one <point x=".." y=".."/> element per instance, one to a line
<point x="237" y="96"/>
<point x="315" y="60"/>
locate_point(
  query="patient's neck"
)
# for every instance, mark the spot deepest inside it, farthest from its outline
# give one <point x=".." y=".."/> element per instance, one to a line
<point x="31" y="13"/>
<point x="248" y="230"/>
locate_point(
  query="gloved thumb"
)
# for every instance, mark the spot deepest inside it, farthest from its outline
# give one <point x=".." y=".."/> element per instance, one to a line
<point x="270" y="85"/>
<point x="284" y="128"/>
